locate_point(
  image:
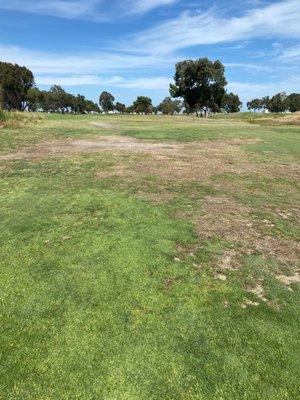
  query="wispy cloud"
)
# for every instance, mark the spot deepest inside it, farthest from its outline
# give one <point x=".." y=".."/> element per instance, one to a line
<point x="88" y="63"/>
<point x="250" y="67"/>
<point x="144" y="6"/>
<point x="84" y="9"/>
<point x="250" y="90"/>
<point x="291" y="53"/>
<point x="146" y="83"/>
<point x="280" y="20"/>
<point x="57" y="8"/>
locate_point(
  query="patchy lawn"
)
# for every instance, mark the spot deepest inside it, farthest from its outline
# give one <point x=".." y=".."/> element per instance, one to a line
<point x="149" y="258"/>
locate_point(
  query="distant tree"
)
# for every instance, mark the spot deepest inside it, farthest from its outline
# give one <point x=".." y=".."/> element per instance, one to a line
<point x="169" y="106"/>
<point x="120" y="107"/>
<point x="130" y="109"/>
<point x="34" y="99"/>
<point x="293" y="102"/>
<point x="90" y="106"/>
<point x="78" y="104"/>
<point x="58" y="99"/>
<point x="265" y="102"/>
<point x="259" y="104"/>
<point x="106" y="101"/>
<point x="201" y="83"/>
<point x="15" y="81"/>
<point x="155" y="109"/>
<point x="254" y="104"/>
<point x="231" y="103"/>
<point x="278" y="103"/>
<point x="143" y="105"/>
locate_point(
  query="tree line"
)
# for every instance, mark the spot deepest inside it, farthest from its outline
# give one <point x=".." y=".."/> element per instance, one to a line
<point x="18" y="92"/>
<point x="280" y="102"/>
<point x="199" y="88"/>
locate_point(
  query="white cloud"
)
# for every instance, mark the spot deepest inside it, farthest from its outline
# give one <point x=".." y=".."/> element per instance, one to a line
<point x="291" y="53"/>
<point x="56" y="8"/>
<point x="155" y="83"/>
<point x="280" y="20"/>
<point x="68" y="80"/>
<point x="144" y="6"/>
<point x="248" y="91"/>
<point x="89" y="63"/>
<point x="250" y="67"/>
<point x="84" y="9"/>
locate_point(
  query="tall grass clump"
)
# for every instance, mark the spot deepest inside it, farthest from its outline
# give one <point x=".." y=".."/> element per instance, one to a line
<point x="3" y="116"/>
<point x="17" y="119"/>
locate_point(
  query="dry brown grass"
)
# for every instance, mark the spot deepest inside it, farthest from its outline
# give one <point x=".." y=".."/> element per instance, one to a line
<point x="220" y="216"/>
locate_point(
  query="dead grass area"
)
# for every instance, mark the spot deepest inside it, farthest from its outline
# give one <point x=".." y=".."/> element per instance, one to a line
<point x="170" y="160"/>
<point x="224" y="218"/>
<point x="290" y="279"/>
<point x="198" y="161"/>
<point x="104" y="125"/>
<point x="118" y="144"/>
<point x="284" y="119"/>
<point x="172" y="163"/>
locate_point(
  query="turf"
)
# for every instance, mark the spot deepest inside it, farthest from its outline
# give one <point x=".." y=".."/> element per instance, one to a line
<point x="107" y="291"/>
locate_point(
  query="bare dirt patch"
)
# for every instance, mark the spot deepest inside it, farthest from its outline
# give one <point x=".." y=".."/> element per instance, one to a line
<point x="170" y="160"/>
<point x="290" y="279"/>
<point x="92" y="145"/>
<point x="104" y="125"/>
<point x="226" y="219"/>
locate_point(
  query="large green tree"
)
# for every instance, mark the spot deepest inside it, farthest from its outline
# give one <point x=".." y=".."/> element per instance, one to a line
<point x="293" y="101"/>
<point x="201" y="83"/>
<point x="231" y="103"/>
<point x="143" y="105"/>
<point x="15" y="81"/>
<point x="259" y="104"/>
<point x="58" y="100"/>
<point x="278" y="103"/>
<point x="169" y="106"/>
<point x="120" y="107"/>
<point x="106" y="101"/>
<point x="34" y="99"/>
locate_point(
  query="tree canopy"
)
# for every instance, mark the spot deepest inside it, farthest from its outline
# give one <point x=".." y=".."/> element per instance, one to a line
<point x="169" y="106"/>
<point x="201" y="83"/>
<point x="231" y="103"/>
<point x="280" y="102"/>
<point x="294" y="102"/>
<point x="106" y="101"/>
<point x="15" y="82"/>
<point x="120" y="107"/>
<point x="143" y="105"/>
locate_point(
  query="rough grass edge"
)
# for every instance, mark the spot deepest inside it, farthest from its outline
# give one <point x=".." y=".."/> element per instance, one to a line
<point x="17" y="119"/>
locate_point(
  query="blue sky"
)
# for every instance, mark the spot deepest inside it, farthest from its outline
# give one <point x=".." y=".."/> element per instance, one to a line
<point x="130" y="47"/>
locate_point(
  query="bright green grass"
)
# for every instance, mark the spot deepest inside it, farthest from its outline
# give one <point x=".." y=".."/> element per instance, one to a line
<point x="94" y="304"/>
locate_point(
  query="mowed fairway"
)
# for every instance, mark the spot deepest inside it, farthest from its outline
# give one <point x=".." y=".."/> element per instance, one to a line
<point x="149" y="257"/>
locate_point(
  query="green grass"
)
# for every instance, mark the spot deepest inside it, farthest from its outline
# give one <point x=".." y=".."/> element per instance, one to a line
<point x="99" y="294"/>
